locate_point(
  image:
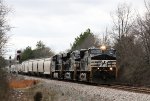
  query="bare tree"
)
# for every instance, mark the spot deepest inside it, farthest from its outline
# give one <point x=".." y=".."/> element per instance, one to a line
<point x="122" y="20"/>
<point x="128" y="54"/>
<point x="147" y="5"/>
<point x="4" y="27"/>
<point x="106" y="39"/>
<point x="132" y="41"/>
<point x="142" y="28"/>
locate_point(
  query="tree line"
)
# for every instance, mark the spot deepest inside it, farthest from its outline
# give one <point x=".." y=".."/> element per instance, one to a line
<point x="41" y="51"/>
<point x="132" y="41"/>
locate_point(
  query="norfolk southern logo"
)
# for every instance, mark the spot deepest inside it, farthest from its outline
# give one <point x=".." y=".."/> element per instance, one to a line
<point x="103" y="64"/>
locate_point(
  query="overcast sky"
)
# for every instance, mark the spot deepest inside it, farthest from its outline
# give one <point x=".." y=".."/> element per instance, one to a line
<point x="58" y="22"/>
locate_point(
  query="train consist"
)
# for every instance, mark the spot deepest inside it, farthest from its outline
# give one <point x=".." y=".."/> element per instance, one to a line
<point x="90" y="65"/>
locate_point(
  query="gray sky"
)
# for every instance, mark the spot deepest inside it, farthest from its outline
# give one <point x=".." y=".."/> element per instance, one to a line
<point x="58" y="22"/>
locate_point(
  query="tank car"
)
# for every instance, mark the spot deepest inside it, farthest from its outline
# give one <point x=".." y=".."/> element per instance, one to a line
<point x="13" y="69"/>
<point x="47" y="67"/>
<point x="18" y="68"/>
<point x="25" y="67"/>
<point x="35" y="67"/>
<point x="30" y="65"/>
<point x="40" y="67"/>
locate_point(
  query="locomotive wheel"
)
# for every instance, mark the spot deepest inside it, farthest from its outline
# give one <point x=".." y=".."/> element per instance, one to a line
<point x="83" y="77"/>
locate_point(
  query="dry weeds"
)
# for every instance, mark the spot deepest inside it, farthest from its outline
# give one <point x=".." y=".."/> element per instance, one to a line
<point x="22" y="83"/>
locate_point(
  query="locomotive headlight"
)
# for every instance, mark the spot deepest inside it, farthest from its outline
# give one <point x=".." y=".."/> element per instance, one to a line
<point x="111" y="68"/>
<point x="103" y="47"/>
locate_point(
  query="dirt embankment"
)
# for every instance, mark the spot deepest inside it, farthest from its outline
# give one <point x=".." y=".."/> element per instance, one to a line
<point x="20" y="88"/>
<point x="14" y="84"/>
<point x="24" y="88"/>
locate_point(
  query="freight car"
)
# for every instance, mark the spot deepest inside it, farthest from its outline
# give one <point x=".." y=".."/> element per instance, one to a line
<point x="90" y="65"/>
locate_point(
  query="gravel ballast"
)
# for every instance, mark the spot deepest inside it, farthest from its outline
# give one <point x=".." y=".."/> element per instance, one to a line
<point x="68" y="91"/>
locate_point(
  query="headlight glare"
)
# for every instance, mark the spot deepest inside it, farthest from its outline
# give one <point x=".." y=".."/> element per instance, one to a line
<point x="111" y="68"/>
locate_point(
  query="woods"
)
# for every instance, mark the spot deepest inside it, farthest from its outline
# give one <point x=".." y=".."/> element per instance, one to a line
<point x="4" y="28"/>
<point x="41" y="51"/>
<point x="131" y="38"/>
<point x="132" y="42"/>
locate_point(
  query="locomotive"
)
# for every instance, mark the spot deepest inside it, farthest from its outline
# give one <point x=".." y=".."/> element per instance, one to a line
<point x="89" y="65"/>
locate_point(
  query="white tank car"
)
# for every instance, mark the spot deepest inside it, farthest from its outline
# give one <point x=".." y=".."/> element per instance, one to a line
<point x="47" y="65"/>
<point x="13" y="69"/>
<point x="19" y="67"/>
<point x="30" y="66"/>
<point x="35" y="62"/>
<point x="22" y="68"/>
<point x="26" y="67"/>
<point x="41" y="66"/>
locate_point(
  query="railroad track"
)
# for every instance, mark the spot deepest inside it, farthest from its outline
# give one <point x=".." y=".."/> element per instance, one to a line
<point x="139" y="89"/>
<point x="125" y="87"/>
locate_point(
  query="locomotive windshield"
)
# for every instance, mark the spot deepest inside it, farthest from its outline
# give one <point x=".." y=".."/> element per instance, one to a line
<point x="95" y="51"/>
<point x="76" y="54"/>
<point x="112" y="52"/>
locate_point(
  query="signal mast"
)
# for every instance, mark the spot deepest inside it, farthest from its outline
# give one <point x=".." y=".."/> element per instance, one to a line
<point x="18" y="55"/>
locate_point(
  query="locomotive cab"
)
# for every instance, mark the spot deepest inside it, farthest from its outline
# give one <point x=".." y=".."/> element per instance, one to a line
<point x="66" y="66"/>
<point x="103" y="65"/>
<point x="97" y="64"/>
<point x="56" y="66"/>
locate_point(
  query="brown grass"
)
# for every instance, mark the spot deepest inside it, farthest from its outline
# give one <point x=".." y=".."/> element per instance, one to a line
<point x="22" y="83"/>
